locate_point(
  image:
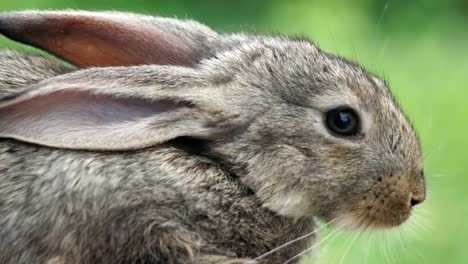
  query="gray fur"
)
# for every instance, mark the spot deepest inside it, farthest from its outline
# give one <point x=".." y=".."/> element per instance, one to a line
<point x="223" y="199"/>
<point x="18" y="70"/>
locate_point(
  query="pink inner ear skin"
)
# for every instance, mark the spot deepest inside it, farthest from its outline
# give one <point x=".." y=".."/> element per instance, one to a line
<point x="88" y="40"/>
<point x="84" y="108"/>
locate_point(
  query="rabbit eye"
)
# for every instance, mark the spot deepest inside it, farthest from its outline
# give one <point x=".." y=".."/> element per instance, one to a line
<point x="343" y="121"/>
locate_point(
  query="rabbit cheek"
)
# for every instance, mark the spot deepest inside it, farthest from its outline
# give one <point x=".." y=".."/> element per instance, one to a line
<point x="386" y="205"/>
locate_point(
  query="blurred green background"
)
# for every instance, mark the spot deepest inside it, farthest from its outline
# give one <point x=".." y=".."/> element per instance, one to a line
<point x="419" y="46"/>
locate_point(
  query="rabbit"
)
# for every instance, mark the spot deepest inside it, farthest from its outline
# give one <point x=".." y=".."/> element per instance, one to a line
<point x="168" y="142"/>
<point x="18" y="70"/>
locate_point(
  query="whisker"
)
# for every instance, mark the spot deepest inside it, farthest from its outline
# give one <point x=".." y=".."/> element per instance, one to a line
<point x="364" y="227"/>
<point x="402" y="242"/>
<point x="420" y="226"/>
<point x="381" y="248"/>
<point x="381" y="53"/>
<point x="419" y="255"/>
<point x="378" y="57"/>
<point x="382" y="14"/>
<point x="339" y="243"/>
<point x="356" y="236"/>
<point x="332" y="243"/>
<point x="395" y="258"/>
<point x="411" y="231"/>
<point x="349" y="243"/>
<point x="438" y="175"/>
<point x="387" y="254"/>
<point x="315" y="245"/>
<point x="292" y="242"/>
<point x="367" y="249"/>
<point x="433" y="151"/>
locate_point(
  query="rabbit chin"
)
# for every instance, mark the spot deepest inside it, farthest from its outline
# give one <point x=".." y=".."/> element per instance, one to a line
<point x="371" y="218"/>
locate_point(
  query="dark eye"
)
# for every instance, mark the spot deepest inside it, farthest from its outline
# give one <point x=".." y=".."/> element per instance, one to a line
<point x="343" y="121"/>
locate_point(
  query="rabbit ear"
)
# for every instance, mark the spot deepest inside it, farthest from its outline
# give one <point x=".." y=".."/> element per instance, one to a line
<point x="99" y="114"/>
<point x="89" y="39"/>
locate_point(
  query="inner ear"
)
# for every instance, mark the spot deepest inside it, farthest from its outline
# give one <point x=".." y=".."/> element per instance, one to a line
<point x="81" y="120"/>
<point x="89" y="39"/>
<point x="87" y="108"/>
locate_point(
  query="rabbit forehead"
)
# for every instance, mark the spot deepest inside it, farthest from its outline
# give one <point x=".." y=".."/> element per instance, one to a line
<point x="293" y="69"/>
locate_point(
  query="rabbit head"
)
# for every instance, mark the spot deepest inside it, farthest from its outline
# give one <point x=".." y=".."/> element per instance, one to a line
<point x="310" y="133"/>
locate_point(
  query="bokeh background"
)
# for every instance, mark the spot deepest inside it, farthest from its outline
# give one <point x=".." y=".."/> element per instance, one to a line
<point x="419" y="46"/>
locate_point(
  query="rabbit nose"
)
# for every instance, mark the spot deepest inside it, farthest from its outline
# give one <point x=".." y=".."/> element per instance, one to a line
<point x="418" y="195"/>
<point x="415" y="200"/>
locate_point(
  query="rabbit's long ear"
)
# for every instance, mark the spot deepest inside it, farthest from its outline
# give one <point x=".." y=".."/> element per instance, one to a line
<point x="108" y="109"/>
<point x="89" y="39"/>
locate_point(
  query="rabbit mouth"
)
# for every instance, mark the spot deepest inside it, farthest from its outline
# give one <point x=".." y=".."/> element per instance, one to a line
<point x="387" y="205"/>
<point x="371" y="218"/>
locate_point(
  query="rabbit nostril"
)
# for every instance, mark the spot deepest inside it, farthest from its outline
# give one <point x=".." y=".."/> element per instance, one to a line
<point x="416" y="201"/>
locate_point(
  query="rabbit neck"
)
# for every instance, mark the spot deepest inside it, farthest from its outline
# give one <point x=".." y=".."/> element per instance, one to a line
<point x="236" y="220"/>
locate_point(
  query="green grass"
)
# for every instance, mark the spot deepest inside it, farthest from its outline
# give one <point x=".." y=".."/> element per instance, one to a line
<point x="420" y="47"/>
